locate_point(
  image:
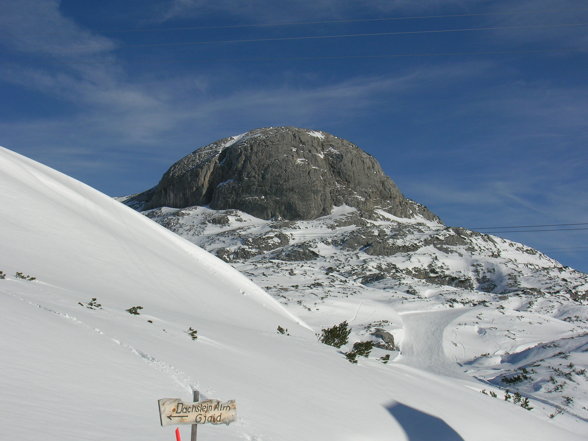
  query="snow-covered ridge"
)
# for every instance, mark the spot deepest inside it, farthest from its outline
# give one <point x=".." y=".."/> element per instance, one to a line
<point x="100" y="216"/>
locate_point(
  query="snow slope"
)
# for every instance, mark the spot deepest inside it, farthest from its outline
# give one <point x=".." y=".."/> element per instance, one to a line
<point x="456" y="302"/>
<point x="76" y="370"/>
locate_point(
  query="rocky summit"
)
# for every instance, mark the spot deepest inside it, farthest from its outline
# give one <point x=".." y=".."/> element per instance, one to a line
<point x="281" y="172"/>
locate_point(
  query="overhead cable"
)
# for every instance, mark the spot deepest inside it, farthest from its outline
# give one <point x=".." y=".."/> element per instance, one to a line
<point x="156" y="60"/>
<point x="356" y="35"/>
<point x="530" y="226"/>
<point x="532" y="231"/>
<point x="345" y="21"/>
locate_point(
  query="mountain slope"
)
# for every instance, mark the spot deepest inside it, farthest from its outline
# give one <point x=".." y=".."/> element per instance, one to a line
<point x="80" y="368"/>
<point x="473" y="300"/>
<point x="482" y="300"/>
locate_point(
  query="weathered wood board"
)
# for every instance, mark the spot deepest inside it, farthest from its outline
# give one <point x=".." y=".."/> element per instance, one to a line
<point x="175" y="411"/>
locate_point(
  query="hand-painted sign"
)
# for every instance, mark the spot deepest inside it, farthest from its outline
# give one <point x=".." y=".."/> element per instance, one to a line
<point x="175" y="411"/>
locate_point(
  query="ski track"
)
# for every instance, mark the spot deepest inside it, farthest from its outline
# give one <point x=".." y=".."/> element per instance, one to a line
<point x="178" y="376"/>
<point x="422" y="346"/>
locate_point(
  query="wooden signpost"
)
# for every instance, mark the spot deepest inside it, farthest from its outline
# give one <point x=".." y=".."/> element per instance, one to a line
<point x="176" y="411"/>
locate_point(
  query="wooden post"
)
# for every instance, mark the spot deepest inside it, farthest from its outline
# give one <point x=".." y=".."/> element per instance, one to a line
<point x="195" y="426"/>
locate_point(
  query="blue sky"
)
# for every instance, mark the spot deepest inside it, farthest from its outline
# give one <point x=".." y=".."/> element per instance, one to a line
<point x="477" y="109"/>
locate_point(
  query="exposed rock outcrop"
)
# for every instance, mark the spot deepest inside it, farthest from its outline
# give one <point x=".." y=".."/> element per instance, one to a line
<point x="281" y="172"/>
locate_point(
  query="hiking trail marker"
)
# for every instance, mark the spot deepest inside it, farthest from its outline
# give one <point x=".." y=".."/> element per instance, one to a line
<point x="175" y="411"/>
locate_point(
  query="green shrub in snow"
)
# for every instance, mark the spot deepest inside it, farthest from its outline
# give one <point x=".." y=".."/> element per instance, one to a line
<point x="525" y="404"/>
<point x="192" y="333"/>
<point x="23" y="276"/>
<point x="92" y="304"/>
<point x="336" y="336"/>
<point x="360" y="349"/>
<point x="134" y="310"/>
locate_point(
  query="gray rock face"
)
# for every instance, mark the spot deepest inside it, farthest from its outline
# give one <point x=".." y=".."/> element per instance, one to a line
<point x="281" y="172"/>
<point x="386" y="339"/>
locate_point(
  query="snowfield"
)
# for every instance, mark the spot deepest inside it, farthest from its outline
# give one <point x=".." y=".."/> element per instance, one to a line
<point x="76" y="365"/>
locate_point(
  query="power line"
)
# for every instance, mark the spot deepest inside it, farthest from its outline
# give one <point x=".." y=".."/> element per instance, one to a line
<point x="532" y="231"/>
<point x="541" y="228"/>
<point x="565" y="249"/>
<point x="530" y="226"/>
<point x="344" y="21"/>
<point x="357" y="35"/>
<point x="346" y="57"/>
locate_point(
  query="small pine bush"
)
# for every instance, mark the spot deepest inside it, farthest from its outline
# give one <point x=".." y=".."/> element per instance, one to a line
<point x="92" y="304"/>
<point x="360" y="349"/>
<point x="363" y="348"/>
<point x="192" y="333"/>
<point x="525" y="404"/>
<point x="336" y="336"/>
<point x="2" y="275"/>
<point x="515" y="378"/>
<point x="352" y="357"/>
<point x="134" y="310"/>
<point x="23" y="276"/>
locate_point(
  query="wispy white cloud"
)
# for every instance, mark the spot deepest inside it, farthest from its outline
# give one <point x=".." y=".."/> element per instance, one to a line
<point x="523" y="164"/>
<point x="557" y="109"/>
<point x="38" y="27"/>
<point x="151" y="108"/>
<point x="266" y="10"/>
<point x="529" y="21"/>
<point x="515" y="200"/>
<point x="69" y="63"/>
<point x="149" y="111"/>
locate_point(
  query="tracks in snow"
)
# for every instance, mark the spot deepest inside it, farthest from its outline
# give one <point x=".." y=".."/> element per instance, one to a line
<point x="422" y="346"/>
<point x="177" y="375"/>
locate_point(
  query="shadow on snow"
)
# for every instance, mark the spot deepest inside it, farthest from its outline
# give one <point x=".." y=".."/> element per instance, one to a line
<point x="420" y="426"/>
